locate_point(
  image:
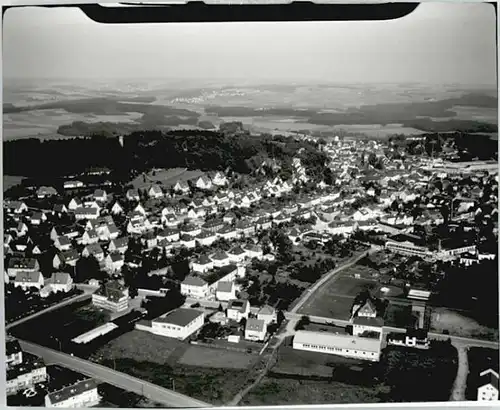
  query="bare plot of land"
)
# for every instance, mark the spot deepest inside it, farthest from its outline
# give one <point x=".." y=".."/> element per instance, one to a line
<point x="141" y="346"/>
<point x="216" y="358"/>
<point x="460" y="325"/>
<point x="334" y="298"/>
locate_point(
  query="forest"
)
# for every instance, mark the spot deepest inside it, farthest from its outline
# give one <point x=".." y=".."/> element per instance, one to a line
<point x="142" y="151"/>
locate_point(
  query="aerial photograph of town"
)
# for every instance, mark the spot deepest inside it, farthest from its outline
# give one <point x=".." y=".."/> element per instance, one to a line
<point x="250" y="214"/>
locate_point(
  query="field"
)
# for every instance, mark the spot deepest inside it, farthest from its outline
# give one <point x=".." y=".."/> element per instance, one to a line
<point x="274" y="391"/>
<point x="335" y="298"/>
<point x="398" y="316"/>
<point x="165" y="177"/>
<point x="216" y="358"/>
<point x="303" y="363"/>
<point x="141" y="346"/>
<point x="460" y="325"/>
<point x="9" y="181"/>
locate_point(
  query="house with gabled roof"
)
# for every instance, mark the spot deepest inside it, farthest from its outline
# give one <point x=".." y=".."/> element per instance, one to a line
<point x="37" y="218"/>
<point x="27" y="280"/>
<point x="116" y="209"/>
<point x="203" y="182"/>
<point x="155" y="192"/>
<point x="62" y="243"/>
<point x="132" y="195"/>
<point x="114" y="262"/>
<point x="86" y="213"/>
<point x="94" y="250"/>
<point x="219" y="179"/>
<point x="19" y="265"/>
<point x="90" y="236"/>
<point x="181" y="187"/>
<point x="119" y="244"/>
<point x="100" y="195"/>
<point x="488" y="386"/>
<point x="220" y="259"/>
<point x="17" y="207"/>
<point x="140" y="209"/>
<point x="255" y="330"/>
<point x="236" y="254"/>
<point x="267" y="314"/>
<point x="65" y="258"/>
<point x="238" y="309"/>
<point x="21" y="229"/>
<point x="74" y="204"/>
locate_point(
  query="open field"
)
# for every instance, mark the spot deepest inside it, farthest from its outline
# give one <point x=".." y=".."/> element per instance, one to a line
<point x="166" y="177"/>
<point x="273" y="391"/>
<point x="216" y="386"/>
<point x="141" y="346"/>
<point x="460" y="325"/>
<point x="303" y="363"/>
<point x="335" y="298"/>
<point x="10" y="180"/>
<point x="216" y="358"/>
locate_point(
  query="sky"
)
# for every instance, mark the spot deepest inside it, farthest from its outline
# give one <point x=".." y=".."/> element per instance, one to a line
<point x="438" y="43"/>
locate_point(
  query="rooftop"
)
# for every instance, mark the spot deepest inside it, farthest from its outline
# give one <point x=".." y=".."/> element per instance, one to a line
<point x="337" y="340"/>
<point x="179" y="317"/>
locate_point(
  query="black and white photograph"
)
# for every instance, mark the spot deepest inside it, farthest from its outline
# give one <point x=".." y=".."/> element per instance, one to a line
<point x="240" y="211"/>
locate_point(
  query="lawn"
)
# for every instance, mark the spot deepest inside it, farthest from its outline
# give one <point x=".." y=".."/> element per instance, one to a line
<point x="142" y="346"/>
<point x="479" y="359"/>
<point x="274" y="391"/>
<point x="216" y="358"/>
<point x="398" y="316"/>
<point x="334" y="299"/>
<point x="165" y="177"/>
<point x="460" y="325"/>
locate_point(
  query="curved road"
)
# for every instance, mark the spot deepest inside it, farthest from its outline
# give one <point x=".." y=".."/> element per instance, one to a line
<point x="118" y="379"/>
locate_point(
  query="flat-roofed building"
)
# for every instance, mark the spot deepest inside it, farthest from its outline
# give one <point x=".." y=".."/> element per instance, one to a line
<point x="178" y="324"/>
<point x="339" y="344"/>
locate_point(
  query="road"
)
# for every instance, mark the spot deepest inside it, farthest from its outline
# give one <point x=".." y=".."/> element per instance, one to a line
<point x="330" y="275"/>
<point x="66" y="302"/>
<point x="458" y="392"/>
<point x="124" y="381"/>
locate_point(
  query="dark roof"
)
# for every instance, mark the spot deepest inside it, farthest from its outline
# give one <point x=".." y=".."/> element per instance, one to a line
<point x="63" y="240"/>
<point x="369" y="321"/>
<point x="69" y="255"/>
<point x="30" y="363"/>
<point x="255" y="325"/>
<point x="120" y="242"/>
<point x="180" y="317"/>
<point x="489" y="377"/>
<point x="224" y="286"/>
<point x="237" y="250"/>
<point x="12" y="346"/>
<point x="112" y="290"/>
<point x="22" y="263"/>
<point x="60" y="277"/>
<point x="72" y="390"/>
<point x="31" y="277"/>
<point x="219" y="255"/>
<point x="194" y="281"/>
<point x="94" y="249"/>
<point x="236" y="304"/>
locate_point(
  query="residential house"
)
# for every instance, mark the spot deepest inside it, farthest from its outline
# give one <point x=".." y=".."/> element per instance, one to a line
<point x="65" y="258"/>
<point x="22" y="265"/>
<point x="140" y="210"/>
<point x="227" y="232"/>
<point x="253" y="251"/>
<point x="267" y="314"/>
<point x="155" y="192"/>
<point x="94" y="250"/>
<point x="181" y="187"/>
<point x="119" y="245"/>
<point x="13" y="352"/>
<point x="72" y="184"/>
<point x="238" y="309"/>
<point x="206" y="238"/>
<point x="255" y="330"/>
<point x="178" y="324"/>
<point x="191" y="230"/>
<point x="488" y="386"/>
<point x="213" y="225"/>
<point x="59" y="209"/>
<point x="74" y="204"/>
<point x="21" y="229"/>
<point x="194" y="286"/>
<point x="220" y="259"/>
<point x="202" y="264"/>
<point x="366" y="309"/>
<point x="188" y="241"/>
<point x="62" y="243"/>
<point x="203" y="182"/>
<point x="362" y="325"/>
<point x="25" y="375"/>
<point x="83" y="393"/>
<point x="414" y="338"/>
<point x="17" y="207"/>
<point x="226" y="291"/>
<point x="116" y="209"/>
<point x="100" y="195"/>
<point x="86" y="213"/>
<point x="90" y="237"/>
<point x="132" y="195"/>
<point x="236" y="254"/>
<point x="219" y="179"/>
<point x="111" y="296"/>
<point x="114" y="262"/>
<point x="28" y="280"/>
<point x="46" y="191"/>
<point x="38" y="218"/>
<point x="171" y="235"/>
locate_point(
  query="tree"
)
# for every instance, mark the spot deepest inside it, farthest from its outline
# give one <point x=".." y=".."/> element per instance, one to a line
<point x="280" y="318"/>
<point x="220" y="309"/>
<point x="243" y="322"/>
